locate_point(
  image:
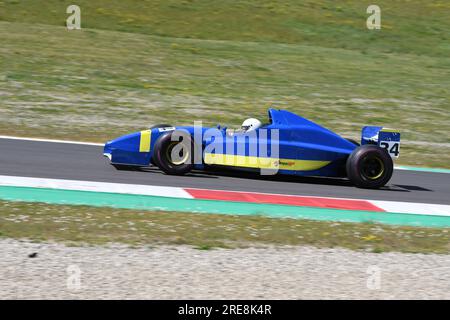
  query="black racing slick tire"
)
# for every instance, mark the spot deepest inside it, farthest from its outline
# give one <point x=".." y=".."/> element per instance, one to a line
<point x="156" y="126"/>
<point x="162" y="154"/>
<point x="369" y="166"/>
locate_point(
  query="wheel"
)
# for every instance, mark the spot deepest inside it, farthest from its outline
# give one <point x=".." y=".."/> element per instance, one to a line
<point x="369" y="166"/>
<point x="162" y="154"/>
<point x="156" y="126"/>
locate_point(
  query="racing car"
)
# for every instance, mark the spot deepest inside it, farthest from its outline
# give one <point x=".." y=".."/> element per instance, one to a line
<point x="287" y="144"/>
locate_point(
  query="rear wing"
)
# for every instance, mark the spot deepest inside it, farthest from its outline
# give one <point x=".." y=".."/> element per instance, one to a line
<point x="386" y="138"/>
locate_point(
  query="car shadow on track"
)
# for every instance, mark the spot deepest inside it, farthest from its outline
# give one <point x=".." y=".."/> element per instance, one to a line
<point x="216" y="173"/>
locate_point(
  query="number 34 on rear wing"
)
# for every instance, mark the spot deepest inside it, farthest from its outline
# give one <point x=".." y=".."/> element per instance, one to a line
<point x="386" y="138"/>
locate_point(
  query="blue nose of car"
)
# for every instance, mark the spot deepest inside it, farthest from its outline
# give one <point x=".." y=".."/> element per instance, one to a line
<point x="126" y="150"/>
<point x="107" y="150"/>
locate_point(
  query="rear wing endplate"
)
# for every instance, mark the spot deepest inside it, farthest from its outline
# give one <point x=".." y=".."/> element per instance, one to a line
<point x="386" y="138"/>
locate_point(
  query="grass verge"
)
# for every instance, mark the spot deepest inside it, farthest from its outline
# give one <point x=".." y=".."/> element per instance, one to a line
<point x="79" y="225"/>
<point x="408" y="26"/>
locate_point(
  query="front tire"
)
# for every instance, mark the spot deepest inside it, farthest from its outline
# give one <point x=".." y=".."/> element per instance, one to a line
<point x="162" y="154"/>
<point x="369" y="166"/>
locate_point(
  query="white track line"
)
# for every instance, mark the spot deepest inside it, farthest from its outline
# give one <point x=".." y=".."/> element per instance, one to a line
<point x="92" y="186"/>
<point x="176" y="192"/>
<point x="423" y="169"/>
<point x="413" y="208"/>
<point x="52" y="140"/>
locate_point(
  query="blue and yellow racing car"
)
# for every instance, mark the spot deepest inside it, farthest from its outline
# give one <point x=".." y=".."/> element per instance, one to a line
<point x="287" y="144"/>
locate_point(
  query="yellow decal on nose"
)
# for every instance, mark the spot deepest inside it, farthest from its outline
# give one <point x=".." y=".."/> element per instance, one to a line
<point x="144" y="145"/>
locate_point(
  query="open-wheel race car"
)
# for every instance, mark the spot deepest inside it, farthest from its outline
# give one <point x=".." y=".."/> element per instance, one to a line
<point x="287" y="144"/>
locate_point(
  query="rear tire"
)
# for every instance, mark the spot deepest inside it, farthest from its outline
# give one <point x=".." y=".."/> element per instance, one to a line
<point x="369" y="166"/>
<point x="163" y="150"/>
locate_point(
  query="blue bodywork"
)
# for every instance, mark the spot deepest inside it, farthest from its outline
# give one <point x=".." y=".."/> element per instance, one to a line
<point x="305" y="148"/>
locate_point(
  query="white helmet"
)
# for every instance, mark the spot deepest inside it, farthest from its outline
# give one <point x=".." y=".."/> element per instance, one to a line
<point x="251" y="124"/>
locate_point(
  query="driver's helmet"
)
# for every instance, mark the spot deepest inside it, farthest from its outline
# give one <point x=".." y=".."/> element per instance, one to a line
<point x="251" y="124"/>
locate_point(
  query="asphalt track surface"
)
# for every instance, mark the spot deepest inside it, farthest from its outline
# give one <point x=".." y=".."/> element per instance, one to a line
<point x="86" y="162"/>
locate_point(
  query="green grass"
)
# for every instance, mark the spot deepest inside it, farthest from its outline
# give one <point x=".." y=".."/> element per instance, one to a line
<point x="81" y="225"/>
<point x="137" y="63"/>
<point x="409" y="26"/>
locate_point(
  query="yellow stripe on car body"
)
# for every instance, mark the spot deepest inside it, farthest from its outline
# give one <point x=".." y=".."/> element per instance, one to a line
<point x="263" y="162"/>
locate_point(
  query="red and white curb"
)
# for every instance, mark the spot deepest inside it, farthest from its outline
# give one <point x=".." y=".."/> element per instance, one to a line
<point x="223" y="195"/>
<point x="324" y="202"/>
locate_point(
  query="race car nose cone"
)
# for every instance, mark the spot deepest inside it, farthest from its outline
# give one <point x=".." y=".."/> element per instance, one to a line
<point x="107" y="150"/>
